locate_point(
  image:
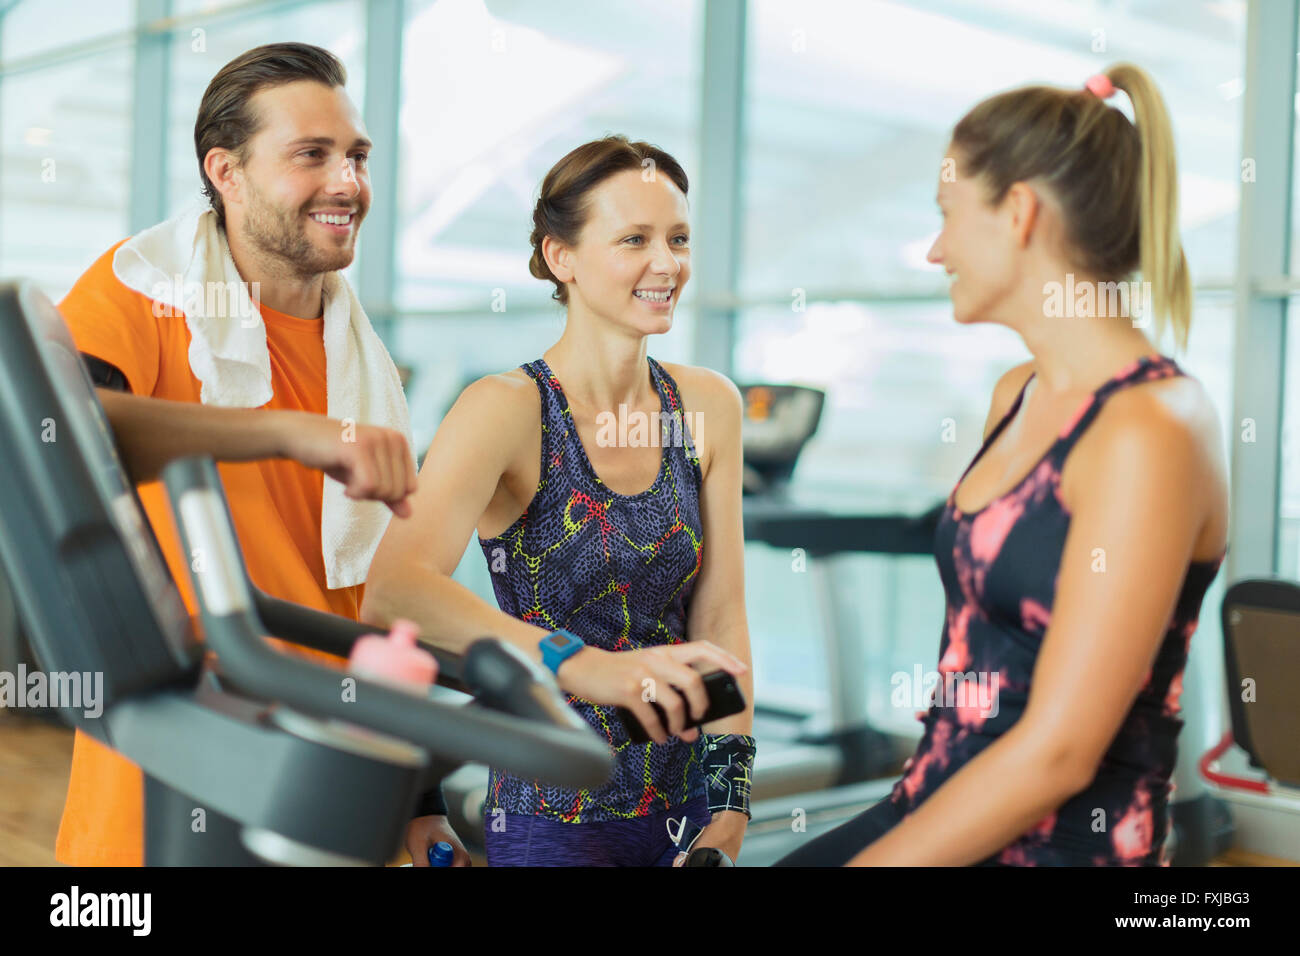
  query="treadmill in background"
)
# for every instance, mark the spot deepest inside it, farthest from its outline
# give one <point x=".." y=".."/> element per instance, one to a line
<point x="803" y="752"/>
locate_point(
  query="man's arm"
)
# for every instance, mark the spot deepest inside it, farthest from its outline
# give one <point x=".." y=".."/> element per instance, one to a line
<point x="150" y="432"/>
<point x="373" y="463"/>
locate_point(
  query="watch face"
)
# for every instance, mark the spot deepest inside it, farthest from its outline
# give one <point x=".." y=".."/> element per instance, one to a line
<point x="562" y="642"/>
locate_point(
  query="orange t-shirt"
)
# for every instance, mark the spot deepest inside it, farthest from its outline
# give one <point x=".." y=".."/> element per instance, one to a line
<point x="275" y="503"/>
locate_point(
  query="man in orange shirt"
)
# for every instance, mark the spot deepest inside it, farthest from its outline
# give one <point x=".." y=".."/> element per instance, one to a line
<point x="282" y="152"/>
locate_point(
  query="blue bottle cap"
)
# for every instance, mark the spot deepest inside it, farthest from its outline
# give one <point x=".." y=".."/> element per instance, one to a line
<point x="441" y="854"/>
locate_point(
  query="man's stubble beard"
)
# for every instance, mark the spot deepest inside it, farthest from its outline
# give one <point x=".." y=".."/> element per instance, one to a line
<point x="281" y="239"/>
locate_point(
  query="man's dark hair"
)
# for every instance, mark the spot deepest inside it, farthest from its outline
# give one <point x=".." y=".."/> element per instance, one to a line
<point x="225" y="119"/>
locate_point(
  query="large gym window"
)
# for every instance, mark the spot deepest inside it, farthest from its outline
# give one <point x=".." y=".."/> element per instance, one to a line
<point x="492" y="98"/>
<point x="67" y="152"/>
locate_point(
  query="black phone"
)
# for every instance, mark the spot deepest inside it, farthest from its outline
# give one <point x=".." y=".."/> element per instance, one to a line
<point x="725" y="699"/>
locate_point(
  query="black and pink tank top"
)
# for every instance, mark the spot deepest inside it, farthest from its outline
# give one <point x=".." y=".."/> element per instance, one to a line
<point x="616" y="570"/>
<point x="999" y="569"/>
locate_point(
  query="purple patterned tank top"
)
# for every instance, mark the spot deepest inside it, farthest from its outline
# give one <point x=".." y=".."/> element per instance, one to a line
<point x="616" y="570"/>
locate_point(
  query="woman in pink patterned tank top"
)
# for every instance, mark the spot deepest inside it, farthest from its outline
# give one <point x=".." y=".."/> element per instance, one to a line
<point x="1077" y="547"/>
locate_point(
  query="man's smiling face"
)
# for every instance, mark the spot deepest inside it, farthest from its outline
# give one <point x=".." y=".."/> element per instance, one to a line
<point x="304" y="185"/>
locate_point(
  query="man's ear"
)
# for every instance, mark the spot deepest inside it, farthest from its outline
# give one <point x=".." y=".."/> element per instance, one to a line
<point x="559" y="258"/>
<point x="1024" y="207"/>
<point x="225" y="173"/>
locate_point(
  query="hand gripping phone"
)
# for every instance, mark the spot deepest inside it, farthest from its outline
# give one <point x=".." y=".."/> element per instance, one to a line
<point x="725" y="699"/>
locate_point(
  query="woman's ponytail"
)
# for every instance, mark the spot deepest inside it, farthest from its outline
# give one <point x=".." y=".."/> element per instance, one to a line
<point x="1116" y="181"/>
<point x="1163" y="263"/>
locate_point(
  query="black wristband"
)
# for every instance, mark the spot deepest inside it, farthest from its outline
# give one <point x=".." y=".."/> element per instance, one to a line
<point x="431" y="804"/>
<point x="728" y="762"/>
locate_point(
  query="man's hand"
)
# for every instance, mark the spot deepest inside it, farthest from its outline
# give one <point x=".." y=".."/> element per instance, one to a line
<point x="424" y="832"/>
<point x="372" y="463"/>
<point x="726" y="831"/>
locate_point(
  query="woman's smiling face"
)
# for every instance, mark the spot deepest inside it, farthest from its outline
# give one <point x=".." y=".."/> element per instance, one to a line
<point x="633" y="256"/>
<point x="976" y="247"/>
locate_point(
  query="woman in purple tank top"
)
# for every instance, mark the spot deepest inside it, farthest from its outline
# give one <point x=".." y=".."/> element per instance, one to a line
<point x="1077" y="547"/>
<point x="605" y="511"/>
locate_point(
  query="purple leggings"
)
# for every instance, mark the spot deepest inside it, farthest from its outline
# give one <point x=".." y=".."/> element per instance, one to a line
<point x="539" y="841"/>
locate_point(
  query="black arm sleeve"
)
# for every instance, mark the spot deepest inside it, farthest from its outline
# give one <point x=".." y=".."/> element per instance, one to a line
<point x="103" y="374"/>
<point x="431" y="804"/>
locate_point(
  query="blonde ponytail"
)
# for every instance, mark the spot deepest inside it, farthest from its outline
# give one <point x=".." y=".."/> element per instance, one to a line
<point x="1163" y="263"/>
<point x="1116" y="182"/>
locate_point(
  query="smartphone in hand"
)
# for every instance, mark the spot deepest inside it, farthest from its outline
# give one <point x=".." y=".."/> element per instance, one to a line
<point x="725" y="699"/>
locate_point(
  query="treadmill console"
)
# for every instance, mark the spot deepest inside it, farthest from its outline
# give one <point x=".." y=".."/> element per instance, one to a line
<point x="779" y="420"/>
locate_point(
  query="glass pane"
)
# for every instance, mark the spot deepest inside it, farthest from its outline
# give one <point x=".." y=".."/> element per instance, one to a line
<point x="1209" y="357"/>
<point x="447" y="354"/>
<point x="493" y="95"/>
<point x="1288" y="557"/>
<point x="1294" y="265"/>
<point x="35" y="28"/>
<point x="183" y="7"/>
<point x="907" y="392"/>
<point x="786" y="631"/>
<point x="66" y="185"/>
<point x="850" y="107"/>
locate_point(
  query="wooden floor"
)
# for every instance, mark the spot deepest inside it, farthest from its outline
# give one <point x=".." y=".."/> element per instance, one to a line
<point x="34" y="759"/>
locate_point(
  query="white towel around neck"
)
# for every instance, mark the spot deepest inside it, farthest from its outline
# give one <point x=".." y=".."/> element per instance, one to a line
<point x="173" y="264"/>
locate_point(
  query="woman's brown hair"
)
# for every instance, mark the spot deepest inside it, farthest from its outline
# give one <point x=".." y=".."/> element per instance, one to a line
<point x="561" y="209"/>
<point x="1116" y="181"/>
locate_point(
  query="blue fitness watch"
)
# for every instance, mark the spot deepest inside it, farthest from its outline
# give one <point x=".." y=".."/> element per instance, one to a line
<point x="557" y="647"/>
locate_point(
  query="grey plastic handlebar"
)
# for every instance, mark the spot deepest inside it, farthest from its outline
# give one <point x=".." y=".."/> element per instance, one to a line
<point x="336" y="635"/>
<point x="564" y="751"/>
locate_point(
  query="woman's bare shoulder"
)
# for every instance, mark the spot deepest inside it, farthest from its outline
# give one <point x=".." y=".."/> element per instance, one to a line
<point x="703" y="388"/>
<point x="501" y="392"/>
<point x="1173" y="409"/>
<point x="500" y="409"/>
<point x="1168" y="429"/>
<point x="713" y="406"/>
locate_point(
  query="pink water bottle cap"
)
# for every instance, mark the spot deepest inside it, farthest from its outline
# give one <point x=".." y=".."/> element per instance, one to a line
<point x="396" y="659"/>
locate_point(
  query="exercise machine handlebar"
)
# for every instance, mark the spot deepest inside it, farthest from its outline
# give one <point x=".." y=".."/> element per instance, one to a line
<point x="551" y="743"/>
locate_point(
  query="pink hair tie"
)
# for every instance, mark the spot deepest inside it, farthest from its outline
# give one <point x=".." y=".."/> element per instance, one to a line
<point x="1101" y="86"/>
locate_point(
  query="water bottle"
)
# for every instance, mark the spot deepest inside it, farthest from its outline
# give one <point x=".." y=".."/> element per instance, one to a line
<point x="399" y="661"/>
<point x="441" y="854"/>
<point x="395" y="659"/>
